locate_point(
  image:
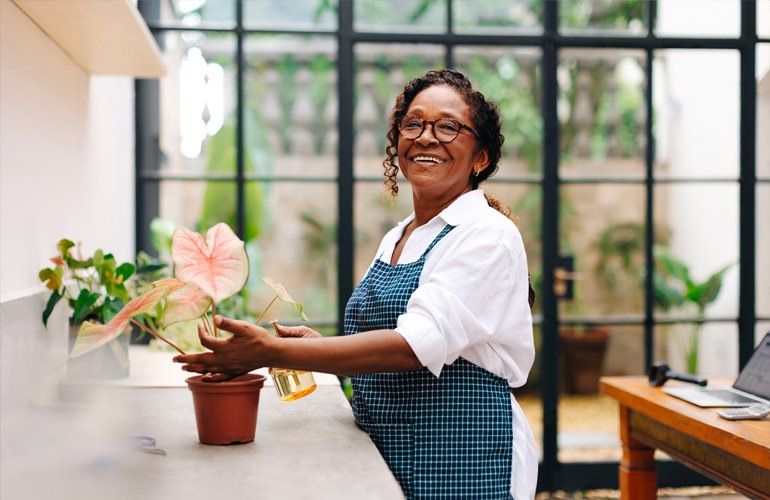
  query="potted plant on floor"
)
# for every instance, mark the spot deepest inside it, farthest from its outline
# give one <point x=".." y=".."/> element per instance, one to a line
<point x="95" y="288"/>
<point x="207" y="271"/>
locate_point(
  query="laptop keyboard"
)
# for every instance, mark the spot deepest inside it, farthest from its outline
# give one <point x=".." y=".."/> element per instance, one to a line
<point x="730" y="396"/>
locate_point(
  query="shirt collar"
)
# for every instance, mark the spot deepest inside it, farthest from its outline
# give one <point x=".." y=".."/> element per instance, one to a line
<point x="461" y="210"/>
<point x="464" y="208"/>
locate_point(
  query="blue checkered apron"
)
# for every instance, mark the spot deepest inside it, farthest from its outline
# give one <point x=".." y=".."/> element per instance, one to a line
<point x="442" y="437"/>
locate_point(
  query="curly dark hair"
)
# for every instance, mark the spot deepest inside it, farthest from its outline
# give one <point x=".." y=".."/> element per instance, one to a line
<point x="486" y="123"/>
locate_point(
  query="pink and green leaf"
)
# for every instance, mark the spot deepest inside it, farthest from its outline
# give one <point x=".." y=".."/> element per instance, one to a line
<point x="93" y="335"/>
<point x="283" y="294"/>
<point x="219" y="265"/>
<point x="185" y="304"/>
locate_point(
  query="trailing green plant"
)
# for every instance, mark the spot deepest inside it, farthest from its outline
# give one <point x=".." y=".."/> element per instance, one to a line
<point x="94" y="287"/>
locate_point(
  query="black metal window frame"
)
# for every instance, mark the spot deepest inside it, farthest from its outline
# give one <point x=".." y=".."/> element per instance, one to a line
<point x="554" y="475"/>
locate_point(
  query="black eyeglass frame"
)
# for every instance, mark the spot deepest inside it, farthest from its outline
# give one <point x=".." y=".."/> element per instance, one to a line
<point x="432" y="123"/>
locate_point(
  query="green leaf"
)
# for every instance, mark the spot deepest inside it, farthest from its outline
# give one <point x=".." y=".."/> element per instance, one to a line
<point x="705" y="293"/>
<point x="671" y="265"/>
<point x="50" y="305"/>
<point x="64" y="246"/>
<point x="665" y="295"/>
<point x="51" y="277"/>
<point x="124" y="271"/>
<point x="283" y="294"/>
<point x="111" y="308"/>
<point x="84" y="305"/>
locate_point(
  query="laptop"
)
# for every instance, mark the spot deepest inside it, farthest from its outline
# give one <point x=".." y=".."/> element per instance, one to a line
<point x="751" y="387"/>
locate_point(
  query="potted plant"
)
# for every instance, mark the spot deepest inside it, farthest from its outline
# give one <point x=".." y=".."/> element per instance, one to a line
<point x="95" y="289"/>
<point x="674" y="287"/>
<point x="206" y="272"/>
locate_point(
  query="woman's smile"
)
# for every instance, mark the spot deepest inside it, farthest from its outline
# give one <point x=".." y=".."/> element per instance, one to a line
<point x="427" y="160"/>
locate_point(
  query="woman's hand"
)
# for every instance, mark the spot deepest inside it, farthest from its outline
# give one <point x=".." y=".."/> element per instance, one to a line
<point x="297" y="347"/>
<point x="247" y="350"/>
<point x="296" y="331"/>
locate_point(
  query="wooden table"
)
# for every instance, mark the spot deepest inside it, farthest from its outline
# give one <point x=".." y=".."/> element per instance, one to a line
<point x="734" y="453"/>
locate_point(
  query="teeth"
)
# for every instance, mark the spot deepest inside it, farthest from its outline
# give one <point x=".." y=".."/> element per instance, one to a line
<point x="427" y="158"/>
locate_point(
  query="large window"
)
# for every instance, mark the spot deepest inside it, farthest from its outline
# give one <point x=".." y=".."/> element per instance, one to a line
<point x="632" y="145"/>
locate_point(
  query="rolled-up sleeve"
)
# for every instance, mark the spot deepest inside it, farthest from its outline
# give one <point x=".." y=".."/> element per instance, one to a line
<point x="465" y="306"/>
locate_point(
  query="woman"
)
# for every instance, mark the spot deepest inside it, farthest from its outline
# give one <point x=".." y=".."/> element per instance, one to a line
<point x="439" y="330"/>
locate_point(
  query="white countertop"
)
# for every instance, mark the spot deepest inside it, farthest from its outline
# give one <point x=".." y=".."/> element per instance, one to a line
<point x="80" y="448"/>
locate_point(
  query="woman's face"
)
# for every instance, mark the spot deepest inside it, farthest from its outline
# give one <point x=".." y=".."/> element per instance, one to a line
<point x="439" y="172"/>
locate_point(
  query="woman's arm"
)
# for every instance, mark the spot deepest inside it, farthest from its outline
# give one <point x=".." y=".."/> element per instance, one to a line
<point x="252" y="347"/>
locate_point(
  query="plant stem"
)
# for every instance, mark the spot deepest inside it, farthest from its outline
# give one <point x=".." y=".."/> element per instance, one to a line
<point x="206" y="326"/>
<point x="214" y="313"/>
<point x="157" y="335"/>
<point x="265" y="311"/>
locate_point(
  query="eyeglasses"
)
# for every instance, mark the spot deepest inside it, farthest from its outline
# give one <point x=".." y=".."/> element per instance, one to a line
<point x="444" y="129"/>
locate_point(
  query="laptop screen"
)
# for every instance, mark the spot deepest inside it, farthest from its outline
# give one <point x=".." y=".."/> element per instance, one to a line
<point x="755" y="376"/>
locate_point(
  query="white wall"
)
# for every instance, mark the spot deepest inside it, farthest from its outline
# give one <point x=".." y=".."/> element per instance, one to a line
<point x="66" y="170"/>
<point x="66" y="155"/>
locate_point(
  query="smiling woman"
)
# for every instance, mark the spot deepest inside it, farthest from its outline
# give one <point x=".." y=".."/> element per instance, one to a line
<point x="441" y="319"/>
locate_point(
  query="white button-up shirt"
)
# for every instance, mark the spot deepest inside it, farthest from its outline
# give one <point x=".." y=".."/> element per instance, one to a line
<point x="472" y="301"/>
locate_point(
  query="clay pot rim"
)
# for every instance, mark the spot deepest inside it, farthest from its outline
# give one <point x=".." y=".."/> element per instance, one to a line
<point x="242" y="381"/>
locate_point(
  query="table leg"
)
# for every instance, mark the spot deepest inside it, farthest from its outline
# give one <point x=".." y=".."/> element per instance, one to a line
<point x="637" y="474"/>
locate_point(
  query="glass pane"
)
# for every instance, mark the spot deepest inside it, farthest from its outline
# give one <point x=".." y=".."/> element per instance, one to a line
<point x="197" y="132"/>
<point x="708" y="349"/>
<point x="511" y="78"/>
<point x="525" y="201"/>
<point x="296" y="14"/>
<point x="494" y="16"/>
<point x="606" y="17"/>
<point x="374" y="216"/>
<point x="702" y="240"/>
<point x="603" y="230"/>
<point x="291" y="112"/>
<point x="696" y="104"/>
<point x="381" y="73"/>
<point x="411" y="16"/>
<point x="602" y="114"/>
<point x="763" y="250"/>
<point x="189" y="13"/>
<point x="588" y="427"/>
<point x="298" y="248"/>
<point x="699" y="18"/>
<point x="763" y="111"/>
<point x="763" y="18"/>
<point x="185" y="202"/>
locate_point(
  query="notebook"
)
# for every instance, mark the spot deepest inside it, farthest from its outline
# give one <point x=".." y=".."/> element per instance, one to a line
<point x="752" y="385"/>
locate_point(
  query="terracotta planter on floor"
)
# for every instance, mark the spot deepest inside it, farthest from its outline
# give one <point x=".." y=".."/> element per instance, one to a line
<point x="226" y="412"/>
<point x="583" y="353"/>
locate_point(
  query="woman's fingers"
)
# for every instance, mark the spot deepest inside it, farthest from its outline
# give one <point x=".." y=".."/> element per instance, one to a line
<point x="296" y="331"/>
<point x="216" y="377"/>
<point x="234" y="326"/>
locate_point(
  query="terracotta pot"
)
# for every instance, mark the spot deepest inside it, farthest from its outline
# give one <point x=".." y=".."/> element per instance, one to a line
<point x="226" y="412"/>
<point x="583" y="353"/>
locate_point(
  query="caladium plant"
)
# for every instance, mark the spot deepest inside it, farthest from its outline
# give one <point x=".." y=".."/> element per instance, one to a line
<point x="206" y="272"/>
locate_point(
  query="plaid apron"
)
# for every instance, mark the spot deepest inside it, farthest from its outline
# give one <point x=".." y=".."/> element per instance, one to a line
<point x="445" y="437"/>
